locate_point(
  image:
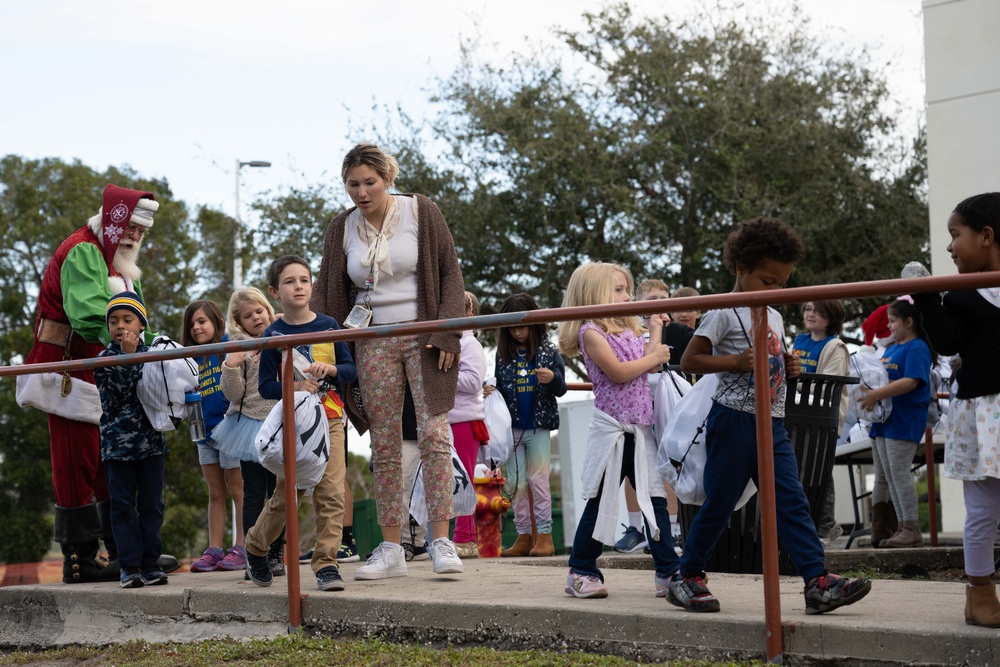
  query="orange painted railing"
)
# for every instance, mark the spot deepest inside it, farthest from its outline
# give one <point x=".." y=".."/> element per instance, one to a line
<point x="758" y="302"/>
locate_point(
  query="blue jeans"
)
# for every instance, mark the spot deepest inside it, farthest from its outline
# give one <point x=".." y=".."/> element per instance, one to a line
<point x="586" y="550"/>
<point x="731" y="441"/>
<point x="136" y="492"/>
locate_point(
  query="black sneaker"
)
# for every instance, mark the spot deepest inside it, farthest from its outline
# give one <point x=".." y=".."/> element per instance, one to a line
<point x="306" y="558"/>
<point x="131" y="577"/>
<point x="829" y="591"/>
<point x="414" y="552"/>
<point x="348" y="553"/>
<point x="154" y="577"/>
<point x="276" y="558"/>
<point x="258" y="570"/>
<point x="329" y="579"/>
<point x="691" y="593"/>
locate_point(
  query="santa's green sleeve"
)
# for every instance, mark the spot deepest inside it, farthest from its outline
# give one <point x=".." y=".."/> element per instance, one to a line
<point x="85" y="292"/>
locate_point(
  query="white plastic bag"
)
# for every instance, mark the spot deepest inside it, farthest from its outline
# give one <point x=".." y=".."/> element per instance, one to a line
<point x="496" y="452"/>
<point x="162" y="385"/>
<point x="312" y="440"/>
<point x="670" y="388"/>
<point x="682" y="454"/>
<point x="867" y="367"/>
<point x="464" y="491"/>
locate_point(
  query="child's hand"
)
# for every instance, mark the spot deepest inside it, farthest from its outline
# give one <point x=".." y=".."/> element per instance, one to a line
<point x="488" y="389"/>
<point x="867" y="399"/>
<point x="234" y="359"/>
<point x="544" y="375"/>
<point x="129" y="342"/>
<point x="793" y="365"/>
<point x="658" y="351"/>
<point x="744" y="361"/>
<point x="320" y="370"/>
<point x="306" y="385"/>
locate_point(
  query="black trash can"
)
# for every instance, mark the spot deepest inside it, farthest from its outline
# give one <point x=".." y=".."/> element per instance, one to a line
<point x="812" y="410"/>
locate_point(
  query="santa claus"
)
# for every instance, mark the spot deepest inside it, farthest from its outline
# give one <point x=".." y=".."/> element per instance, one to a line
<point x="96" y="261"/>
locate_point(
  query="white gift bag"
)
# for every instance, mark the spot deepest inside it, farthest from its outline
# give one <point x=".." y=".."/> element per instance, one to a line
<point x="464" y="491"/>
<point x="682" y="454"/>
<point x="867" y="367"/>
<point x="162" y="385"/>
<point x="312" y="441"/>
<point x="670" y="388"/>
<point x="496" y="452"/>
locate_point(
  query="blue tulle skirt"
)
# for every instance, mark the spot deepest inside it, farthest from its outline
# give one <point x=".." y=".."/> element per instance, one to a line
<point x="235" y="436"/>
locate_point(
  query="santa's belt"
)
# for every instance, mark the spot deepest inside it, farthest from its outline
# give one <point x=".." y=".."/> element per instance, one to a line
<point x="54" y="333"/>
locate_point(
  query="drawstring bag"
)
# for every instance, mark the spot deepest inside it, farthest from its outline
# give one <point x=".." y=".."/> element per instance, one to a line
<point x="464" y="491"/>
<point x="312" y="440"/>
<point x="162" y="385"/>
<point x="867" y="367"/>
<point x="670" y="388"/>
<point x="496" y="452"/>
<point x="681" y="455"/>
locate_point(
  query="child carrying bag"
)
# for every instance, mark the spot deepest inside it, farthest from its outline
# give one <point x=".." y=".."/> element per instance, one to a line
<point x="497" y="417"/>
<point x="312" y="440"/>
<point x="162" y="385"/>
<point x="681" y="455"/>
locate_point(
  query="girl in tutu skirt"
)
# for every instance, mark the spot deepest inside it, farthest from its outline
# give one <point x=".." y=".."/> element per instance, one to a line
<point x="249" y="313"/>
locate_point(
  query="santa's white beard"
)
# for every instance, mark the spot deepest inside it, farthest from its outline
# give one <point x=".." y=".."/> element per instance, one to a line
<point x="126" y="260"/>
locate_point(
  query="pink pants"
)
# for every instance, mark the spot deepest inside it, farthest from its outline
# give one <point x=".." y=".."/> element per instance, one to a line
<point x="468" y="449"/>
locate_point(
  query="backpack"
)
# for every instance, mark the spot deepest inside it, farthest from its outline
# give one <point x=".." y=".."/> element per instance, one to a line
<point x="162" y="385"/>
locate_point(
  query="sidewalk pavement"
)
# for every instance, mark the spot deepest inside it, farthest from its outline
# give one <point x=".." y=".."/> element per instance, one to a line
<point x="514" y="604"/>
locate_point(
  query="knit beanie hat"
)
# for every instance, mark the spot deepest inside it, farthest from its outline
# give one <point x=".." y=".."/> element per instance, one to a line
<point x="127" y="301"/>
<point x="120" y="208"/>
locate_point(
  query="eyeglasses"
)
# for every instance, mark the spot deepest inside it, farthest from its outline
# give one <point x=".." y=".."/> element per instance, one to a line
<point x="132" y="229"/>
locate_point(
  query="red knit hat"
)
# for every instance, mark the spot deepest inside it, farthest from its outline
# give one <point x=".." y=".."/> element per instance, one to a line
<point x="122" y="207"/>
<point x="877" y="325"/>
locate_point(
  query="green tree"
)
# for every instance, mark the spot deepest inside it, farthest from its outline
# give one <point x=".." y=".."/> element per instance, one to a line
<point x="41" y="203"/>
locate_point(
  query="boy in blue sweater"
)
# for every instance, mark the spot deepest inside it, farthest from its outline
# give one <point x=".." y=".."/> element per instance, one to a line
<point x="132" y="450"/>
<point x="290" y="283"/>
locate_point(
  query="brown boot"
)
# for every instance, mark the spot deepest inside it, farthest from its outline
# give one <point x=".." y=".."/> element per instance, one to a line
<point x="520" y="548"/>
<point x="543" y="546"/>
<point x="908" y="537"/>
<point x="981" y="605"/>
<point x="884" y="523"/>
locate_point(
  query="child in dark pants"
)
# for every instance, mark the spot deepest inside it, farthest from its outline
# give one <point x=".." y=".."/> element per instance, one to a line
<point x="761" y="252"/>
<point x="132" y="450"/>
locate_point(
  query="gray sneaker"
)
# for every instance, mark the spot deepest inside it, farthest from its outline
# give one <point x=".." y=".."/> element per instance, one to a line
<point x="444" y="559"/>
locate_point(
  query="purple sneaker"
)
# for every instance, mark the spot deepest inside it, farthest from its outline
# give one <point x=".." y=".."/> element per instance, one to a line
<point x="236" y="559"/>
<point x="208" y="560"/>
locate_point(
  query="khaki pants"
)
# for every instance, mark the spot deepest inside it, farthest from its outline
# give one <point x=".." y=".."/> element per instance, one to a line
<point x="328" y="501"/>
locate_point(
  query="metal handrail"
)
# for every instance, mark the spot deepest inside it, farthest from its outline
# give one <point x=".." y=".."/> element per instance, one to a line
<point x="758" y="302"/>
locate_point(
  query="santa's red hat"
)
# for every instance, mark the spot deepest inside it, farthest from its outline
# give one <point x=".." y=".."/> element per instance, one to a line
<point x="123" y="207"/>
<point x="877" y="325"/>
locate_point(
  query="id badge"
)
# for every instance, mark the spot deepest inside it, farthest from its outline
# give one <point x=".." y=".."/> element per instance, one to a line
<point x="358" y="318"/>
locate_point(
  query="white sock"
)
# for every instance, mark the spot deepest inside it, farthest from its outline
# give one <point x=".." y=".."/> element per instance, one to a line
<point x="635" y="520"/>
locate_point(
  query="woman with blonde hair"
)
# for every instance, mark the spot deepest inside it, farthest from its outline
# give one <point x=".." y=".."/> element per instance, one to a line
<point x="389" y="260"/>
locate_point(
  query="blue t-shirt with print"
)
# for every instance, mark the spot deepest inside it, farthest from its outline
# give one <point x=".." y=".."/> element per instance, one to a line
<point x="908" y="418"/>
<point x="213" y="402"/>
<point x="526" y="380"/>
<point x="808" y="350"/>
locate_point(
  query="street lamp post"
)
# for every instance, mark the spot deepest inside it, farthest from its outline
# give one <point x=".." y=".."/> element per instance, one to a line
<point x="238" y="237"/>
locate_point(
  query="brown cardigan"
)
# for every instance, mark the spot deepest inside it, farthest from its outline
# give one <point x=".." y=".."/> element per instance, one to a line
<point x="440" y="295"/>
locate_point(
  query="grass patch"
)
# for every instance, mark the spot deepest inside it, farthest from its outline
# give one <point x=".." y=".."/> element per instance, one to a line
<point x="303" y="651"/>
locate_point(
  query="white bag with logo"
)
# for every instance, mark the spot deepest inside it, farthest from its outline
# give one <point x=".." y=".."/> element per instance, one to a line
<point x="312" y="440"/>
<point x="464" y="491"/>
<point x="497" y="417"/>
<point x="162" y="385"/>
<point x="682" y="453"/>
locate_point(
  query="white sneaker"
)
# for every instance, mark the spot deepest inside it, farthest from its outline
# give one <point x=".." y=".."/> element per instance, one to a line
<point x="443" y="557"/>
<point x="388" y="560"/>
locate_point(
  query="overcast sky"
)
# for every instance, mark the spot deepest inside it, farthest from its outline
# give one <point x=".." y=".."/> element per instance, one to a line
<point x="181" y="89"/>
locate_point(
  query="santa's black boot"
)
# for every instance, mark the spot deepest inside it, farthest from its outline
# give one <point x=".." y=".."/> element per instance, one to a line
<point x="77" y="531"/>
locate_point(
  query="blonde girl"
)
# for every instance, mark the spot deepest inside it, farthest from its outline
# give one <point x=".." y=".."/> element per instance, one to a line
<point x="248" y="315"/>
<point x="620" y="444"/>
